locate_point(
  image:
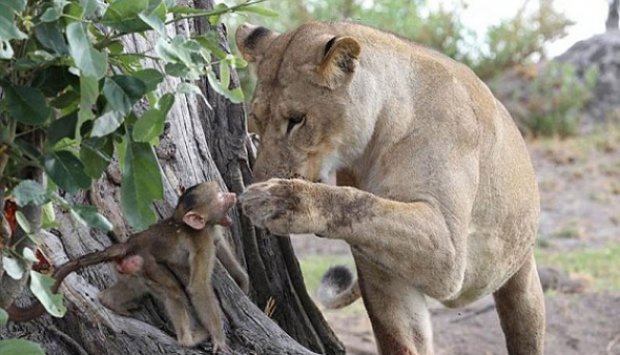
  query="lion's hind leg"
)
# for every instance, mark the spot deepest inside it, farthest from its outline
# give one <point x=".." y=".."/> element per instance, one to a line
<point x="398" y="312"/>
<point x="521" y="309"/>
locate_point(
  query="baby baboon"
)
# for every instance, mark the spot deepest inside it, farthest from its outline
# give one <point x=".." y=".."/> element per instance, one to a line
<point x="187" y="239"/>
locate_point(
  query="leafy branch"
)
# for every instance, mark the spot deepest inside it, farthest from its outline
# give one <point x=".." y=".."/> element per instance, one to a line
<point x="73" y="97"/>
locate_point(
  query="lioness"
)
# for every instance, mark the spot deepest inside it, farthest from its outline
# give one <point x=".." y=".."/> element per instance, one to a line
<point x="441" y="197"/>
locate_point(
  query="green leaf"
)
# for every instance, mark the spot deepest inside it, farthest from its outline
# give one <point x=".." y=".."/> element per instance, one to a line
<point x="89" y="6"/>
<point x="151" y="125"/>
<point x="30" y="192"/>
<point x="150" y="77"/>
<point x="185" y="10"/>
<point x="182" y="52"/>
<point x="15" y="5"/>
<point x="50" y="36"/>
<point x="26" y="104"/>
<point x="74" y="13"/>
<point x="28" y="148"/>
<point x="191" y="89"/>
<point x="41" y="287"/>
<point x="156" y="7"/>
<point x="115" y="48"/>
<point x="225" y="75"/>
<point x="48" y="216"/>
<point x="13" y="267"/>
<point x="129" y="60"/>
<point x="24" y="64"/>
<point x="165" y="103"/>
<point x="214" y="19"/>
<point x="20" y="347"/>
<point x="63" y="127"/>
<point x="8" y="27"/>
<point x="166" y="51"/>
<point x="65" y="100"/>
<point x="89" y="216"/>
<point x="51" y="80"/>
<point x="141" y="184"/>
<point x="21" y="65"/>
<point x="23" y="222"/>
<point x="96" y="154"/>
<point x="155" y="22"/>
<point x="107" y="123"/>
<point x="66" y="171"/>
<point x="258" y="10"/>
<point x="210" y="41"/>
<point x="234" y="95"/>
<point x="54" y="12"/>
<point x="178" y="70"/>
<point x="122" y="91"/>
<point x="29" y="255"/>
<point x="123" y="15"/>
<point x="90" y="61"/>
<point x="41" y="57"/>
<point x="89" y="92"/>
<point x="237" y="62"/>
<point x="4" y="317"/>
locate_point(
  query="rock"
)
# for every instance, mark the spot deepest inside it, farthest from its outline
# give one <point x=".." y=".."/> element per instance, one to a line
<point x="604" y="51"/>
<point x="558" y="280"/>
<point x="515" y="90"/>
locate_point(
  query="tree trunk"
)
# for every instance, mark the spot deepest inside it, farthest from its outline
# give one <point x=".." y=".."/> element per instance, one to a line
<point x="347" y="9"/>
<point x="613" y="17"/>
<point x="198" y="144"/>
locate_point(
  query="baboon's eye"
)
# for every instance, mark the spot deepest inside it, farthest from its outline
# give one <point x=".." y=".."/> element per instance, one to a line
<point x="294" y="121"/>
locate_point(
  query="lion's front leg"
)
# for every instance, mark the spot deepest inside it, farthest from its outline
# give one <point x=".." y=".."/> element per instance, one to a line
<point x="410" y="239"/>
<point x="286" y="206"/>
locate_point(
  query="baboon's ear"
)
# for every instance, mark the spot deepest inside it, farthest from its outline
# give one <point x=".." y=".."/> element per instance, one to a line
<point x="339" y="62"/>
<point x="253" y="41"/>
<point x="194" y="220"/>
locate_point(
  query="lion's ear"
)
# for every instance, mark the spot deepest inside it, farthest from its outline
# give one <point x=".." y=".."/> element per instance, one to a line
<point x="339" y="62"/>
<point x="253" y="41"/>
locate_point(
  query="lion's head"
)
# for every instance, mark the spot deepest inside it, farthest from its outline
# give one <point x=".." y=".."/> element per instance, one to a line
<point x="305" y="105"/>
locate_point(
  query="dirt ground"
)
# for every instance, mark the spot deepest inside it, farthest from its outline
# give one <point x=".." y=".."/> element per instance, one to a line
<point x="580" y="197"/>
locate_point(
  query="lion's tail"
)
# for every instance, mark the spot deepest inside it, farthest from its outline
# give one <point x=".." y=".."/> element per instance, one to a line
<point x="338" y="288"/>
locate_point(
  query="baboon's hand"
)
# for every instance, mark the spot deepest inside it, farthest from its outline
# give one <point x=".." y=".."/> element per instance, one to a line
<point x="284" y="206"/>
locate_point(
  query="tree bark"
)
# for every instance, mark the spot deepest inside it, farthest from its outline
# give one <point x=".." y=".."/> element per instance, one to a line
<point x="198" y="144"/>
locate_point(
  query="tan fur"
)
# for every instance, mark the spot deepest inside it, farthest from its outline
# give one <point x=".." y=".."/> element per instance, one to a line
<point x="441" y="198"/>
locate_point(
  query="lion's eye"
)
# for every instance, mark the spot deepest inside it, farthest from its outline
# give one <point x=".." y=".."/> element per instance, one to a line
<point x="293" y="121"/>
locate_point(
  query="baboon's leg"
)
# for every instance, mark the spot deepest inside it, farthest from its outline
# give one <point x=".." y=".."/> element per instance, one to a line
<point x="203" y="298"/>
<point x="124" y="295"/>
<point x="169" y="291"/>
<point x="521" y="309"/>
<point x="398" y="312"/>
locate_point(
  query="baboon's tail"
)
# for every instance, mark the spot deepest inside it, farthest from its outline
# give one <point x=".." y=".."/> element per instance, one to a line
<point x="36" y="309"/>
<point x="338" y="288"/>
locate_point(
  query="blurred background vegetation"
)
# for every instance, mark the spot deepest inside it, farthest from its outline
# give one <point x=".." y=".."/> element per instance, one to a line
<point x="515" y="43"/>
<point x="517" y="40"/>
